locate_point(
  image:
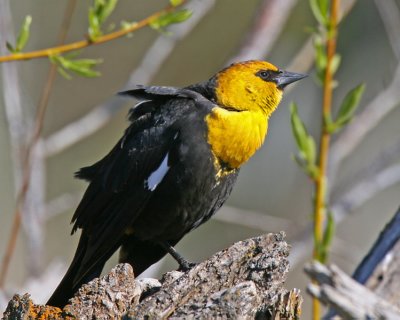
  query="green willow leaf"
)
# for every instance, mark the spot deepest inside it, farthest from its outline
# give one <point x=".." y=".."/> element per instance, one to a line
<point x="175" y="3"/>
<point x="170" y="18"/>
<point x="23" y="35"/>
<point x="82" y="67"/>
<point x="319" y="11"/>
<point x="349" y="105"/>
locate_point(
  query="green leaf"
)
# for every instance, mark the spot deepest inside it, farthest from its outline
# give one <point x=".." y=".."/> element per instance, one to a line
<point x="329" y="125"/>
<point x="327" y="238"/>
<point x="10" y="47"/>
<point x="175" y="3"/>
<point x="23" y="35"/>
<point x="94" y="25"/>
<point x="319" y="10"/>
<point x="98" y="13"/>
<point x="323" y="7"/>
<point x="335" y="63"/>
<point x="311" y="150"/>
<point x="305" y="143"/>
<point x="82" y="67"/>
<point x="329" y="230"/>
<point x="64" y="73"/>
<point x="320" y="58"/>
<point x="349" y="106"/>
<point x="170" y="18"/>
<point x="125" y="25"/>
<point x="298" y="128"/>
<point x="107" y="9"/>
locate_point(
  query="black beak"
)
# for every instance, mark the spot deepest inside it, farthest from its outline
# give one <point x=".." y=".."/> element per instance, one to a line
<point x="285" y="77"/>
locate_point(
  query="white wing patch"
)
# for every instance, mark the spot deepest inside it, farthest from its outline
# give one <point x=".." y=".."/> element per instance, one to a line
<point x="157" y="175"/>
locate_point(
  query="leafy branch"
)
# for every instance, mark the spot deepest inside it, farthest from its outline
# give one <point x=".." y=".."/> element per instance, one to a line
<point x="327" y="62"/>
<point x="98" y="14"/>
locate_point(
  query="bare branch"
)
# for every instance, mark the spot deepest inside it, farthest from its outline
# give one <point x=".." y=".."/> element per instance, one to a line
<point x="269" y="22"/>
<point x="253" y="219"/>
<point x="11" y="94"/>
<point x="15" y="121"/>
<point x="385" y="280"/>
<point x="83" y="127"/>
<point x="350" y="299"/>
<point x="33" y="222"/>
<point x="390" y="16"/>
<point x="163" y="46"/>
<point x="386" y="157"/>
<point x="60" y="204"/>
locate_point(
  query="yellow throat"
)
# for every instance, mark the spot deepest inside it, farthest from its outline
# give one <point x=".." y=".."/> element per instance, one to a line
<point x="237" y="126"/>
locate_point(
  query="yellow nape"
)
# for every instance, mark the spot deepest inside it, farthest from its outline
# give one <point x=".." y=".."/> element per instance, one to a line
<point x="235" y="136"/>
<point x="238" y="87"/>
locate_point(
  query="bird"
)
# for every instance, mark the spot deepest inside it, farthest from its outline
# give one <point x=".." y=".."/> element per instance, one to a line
<point x="173" y="168"/>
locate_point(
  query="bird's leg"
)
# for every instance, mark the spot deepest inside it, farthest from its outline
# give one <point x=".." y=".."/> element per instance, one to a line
<point x="184" y="265"/>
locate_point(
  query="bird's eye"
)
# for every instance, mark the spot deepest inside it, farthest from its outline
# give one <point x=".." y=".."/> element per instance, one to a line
<point x="264" y="74"/>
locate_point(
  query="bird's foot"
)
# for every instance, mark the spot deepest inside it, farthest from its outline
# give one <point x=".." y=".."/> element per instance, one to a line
<point x="185" y="265"/>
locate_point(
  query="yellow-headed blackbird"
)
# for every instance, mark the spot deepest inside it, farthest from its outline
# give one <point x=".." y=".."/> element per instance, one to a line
<point x="173" y="168"/>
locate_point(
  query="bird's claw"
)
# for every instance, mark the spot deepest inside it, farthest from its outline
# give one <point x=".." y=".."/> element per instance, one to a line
<point x="185" y="266"/>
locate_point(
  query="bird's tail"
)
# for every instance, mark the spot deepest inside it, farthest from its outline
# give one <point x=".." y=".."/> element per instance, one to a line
<point x="68" y="285"/>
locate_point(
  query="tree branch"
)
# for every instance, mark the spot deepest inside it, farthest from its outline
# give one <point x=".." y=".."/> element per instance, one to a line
<point x="347" y="297"/>
<point x="244" y="280"/>
<point x="86" y="43"/>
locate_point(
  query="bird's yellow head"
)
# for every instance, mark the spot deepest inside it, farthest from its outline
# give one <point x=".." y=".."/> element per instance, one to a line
<point x="255" y="89"/>
<point x="252" y="86"/>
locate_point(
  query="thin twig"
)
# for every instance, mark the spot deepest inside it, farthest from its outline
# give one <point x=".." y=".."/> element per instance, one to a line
<point x="11" y="95"/>
<point x="86" y="43"/>
<point x="386" y="157"/>
<point x="320" y="182"/>
<point x="28" y="161"/>
<point x="254" y="220"/>
<point x="13" y="106"/>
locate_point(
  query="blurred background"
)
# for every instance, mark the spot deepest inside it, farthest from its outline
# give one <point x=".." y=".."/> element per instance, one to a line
<point x="84" y="120"/>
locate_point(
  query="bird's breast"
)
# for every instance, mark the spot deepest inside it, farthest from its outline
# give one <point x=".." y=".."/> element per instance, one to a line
<point x="235" y="136"/>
